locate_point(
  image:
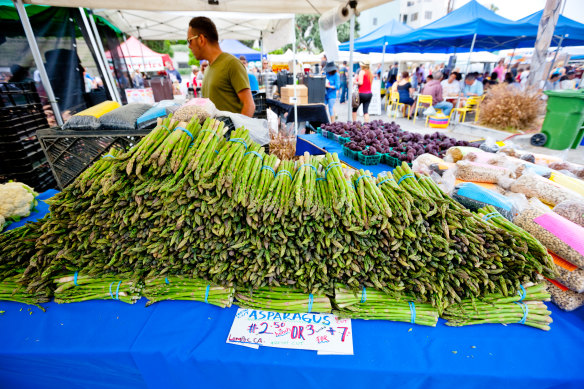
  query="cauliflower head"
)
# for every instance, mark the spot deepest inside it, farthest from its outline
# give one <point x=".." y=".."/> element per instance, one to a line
<point x="16" y="200"/>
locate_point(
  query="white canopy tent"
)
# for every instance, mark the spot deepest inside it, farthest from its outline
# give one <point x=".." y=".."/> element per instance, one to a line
<point x="247" y="6"/>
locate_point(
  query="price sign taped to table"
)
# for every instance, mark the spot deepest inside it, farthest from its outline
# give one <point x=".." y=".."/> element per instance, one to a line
<point x="324" y="333"/>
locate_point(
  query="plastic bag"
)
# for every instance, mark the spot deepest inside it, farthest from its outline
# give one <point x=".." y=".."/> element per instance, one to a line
<point x="490" y="146"/>
<point x="123" y="118"/>
<point x="577" y="170"/>
<point x="202" y="108"/>
<point x="568" y="274"/>
<point x="455" y="154"/>
<point x="571" y="210"/>
<point x="547" y="191"/>
<point x="160" y="109"/>
<point x="427" y="163"/>
<point x="573" y="184"/>
<point x="563" y="297"/>
<point x="429" y="111"/>
<point x="88" y="119"/>
<point x="557" y="234"/>
<point x="474" y="197"/>
<point x="480" y="172"/>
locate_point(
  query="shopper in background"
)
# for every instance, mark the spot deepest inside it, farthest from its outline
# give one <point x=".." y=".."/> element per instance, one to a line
<point x="405" y="90"/>
<point x="343" y="73"/>
<point x="434" y="88"/>
<point x="268" y="78"/>
<point x="553" y="83"/>
<point x="500" y="69"/>
<point x="392" y="74"/>
<point x="253" y="81"/>
<point x="137" y="79"/>
<point x="364" y="80"/>
<point x="332" y="85"/>
<point x="567" y="81"/>
<point x="472" y="87"/>
<point x="226" y="83"/>
<point x="172" y="72"/>
<point x="510" y="81"/>
<point x="451" y="86"/>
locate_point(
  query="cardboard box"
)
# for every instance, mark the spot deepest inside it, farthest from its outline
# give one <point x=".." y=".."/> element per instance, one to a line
<point x="301" y="100"/>
<point x="288" y="90"/>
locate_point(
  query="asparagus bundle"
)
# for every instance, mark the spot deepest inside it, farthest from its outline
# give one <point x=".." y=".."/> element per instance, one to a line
<point x="283" y="299"/>
<point x="12" y="290"/>
<point x="184" y="288"/>
<point x="186" y="202"/>
<point x="372" y="304"/>
<point x="526" y="308"/>
<point x="77" y="287"/>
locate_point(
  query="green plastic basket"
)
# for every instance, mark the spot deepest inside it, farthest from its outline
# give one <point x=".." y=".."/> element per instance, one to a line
<point x="369" y="159"/>
<point x="347" y="152"/>
<point x="324" y="133"/>
<point x="343" y="140"/>
<point x="318" y="130"/>
<point x="332" y="136"/>
<point x="391" y="161"/>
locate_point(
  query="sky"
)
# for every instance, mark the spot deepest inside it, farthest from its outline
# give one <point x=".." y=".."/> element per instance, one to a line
<point x="517" y="9"/>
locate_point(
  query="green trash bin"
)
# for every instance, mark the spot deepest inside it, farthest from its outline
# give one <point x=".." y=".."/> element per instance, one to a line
<point x="564" y="119"/>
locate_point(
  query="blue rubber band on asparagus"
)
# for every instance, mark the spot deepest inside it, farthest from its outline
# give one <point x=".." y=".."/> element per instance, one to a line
<point x="363" y="295"/>
<point x="309" y="165"/>
<point x="261" y="157"/>
<point x="412" y="312"/>
<point x="384" y="181"/>
<point x="522" y="293"/>
<point x="186" y="132"/>
<point x="310" y="301"/>
<point x="165" y="127"/>
<point x="111" y="294"/>
<point x="239" y="140"/>
<point x="118" y="290"/>
<point x="491" y="215"/>
<point x="207" y="294"/>
<point x="285" y="172"/>
<point x="409" y="175"/>
<point x="320" y="179"/>
<point x="217" y="151"/>
<point x="360" y="177"/>
<point x="329" y="167"/>
<point x="75" y="278"/>
<point x="166" y="280"/>
<point x="108" y="156"/>
<point x="525" y="309"/>
<point x="266" y="167"/>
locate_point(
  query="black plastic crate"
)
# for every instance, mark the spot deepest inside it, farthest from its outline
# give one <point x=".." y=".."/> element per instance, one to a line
<point x="32" y="159"/>
<point x="40" y="178"/>
<point x="261" y="108"/>
<point x="15" y="150"/>
<point x="18" y="93"/>
<point x="15" y="119"/>
<point x="69" y="153"/>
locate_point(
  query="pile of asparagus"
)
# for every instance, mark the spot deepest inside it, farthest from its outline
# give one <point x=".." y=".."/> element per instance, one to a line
<point x="186" y="202"/>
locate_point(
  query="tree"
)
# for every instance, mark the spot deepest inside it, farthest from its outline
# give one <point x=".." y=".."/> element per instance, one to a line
<point x="494" y="8"/>
<point x="162" y="47"/>
<point x="308" y="33"/>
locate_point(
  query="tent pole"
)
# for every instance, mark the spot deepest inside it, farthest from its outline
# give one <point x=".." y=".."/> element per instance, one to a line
<point x="554" y="59"/>
<point x="294" y="81"/>
<point x="350" y="73"/>
<point x="97" y="54"/>
<point x="474" y="38"/>
<point x="142" y="50"/>
<point x="382" y="65"/>
<point x="103" y="58"/>
<point x="129" y="55"/>
<point x="38" y="59"/>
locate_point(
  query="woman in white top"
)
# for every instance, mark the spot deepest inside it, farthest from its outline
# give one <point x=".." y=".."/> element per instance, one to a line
<point x="450" y="86"/>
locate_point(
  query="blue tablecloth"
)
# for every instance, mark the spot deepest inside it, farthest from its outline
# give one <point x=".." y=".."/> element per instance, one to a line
<point x="332" y="146"/>
<point x="174" y="344"/>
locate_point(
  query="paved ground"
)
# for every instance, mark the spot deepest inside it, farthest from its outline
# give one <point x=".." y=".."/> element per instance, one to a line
<point x="469" y="132"/>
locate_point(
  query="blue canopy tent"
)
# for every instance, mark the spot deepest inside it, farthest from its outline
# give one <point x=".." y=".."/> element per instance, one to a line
<point x="568" y="32"/>
<point x="468" y="28"/>
<point x="375" y="40"/>
<point x="238" y="49"/>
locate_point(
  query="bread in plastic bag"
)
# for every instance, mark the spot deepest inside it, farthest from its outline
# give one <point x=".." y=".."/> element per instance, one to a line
<point x="88" y="119"/>
<point x="571" y="210"/>
<point x="123" y="118"/>
<point x="563" y="297"/>
<point x="202" y="108"/>
<point x="160" y="109"/>
<point x="546" y="190"/>
<point x="474" y="197"/>
<point x="480" y="172"/>
<point x="557" y="234"/>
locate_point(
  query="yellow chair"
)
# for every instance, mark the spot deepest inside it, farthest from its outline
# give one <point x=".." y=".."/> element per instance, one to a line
<point x="471" y="105"/>
<point x="422" y="99"/>
<point x="396" y="105"/>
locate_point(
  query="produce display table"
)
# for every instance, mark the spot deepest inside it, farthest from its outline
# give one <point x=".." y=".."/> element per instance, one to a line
<point x="316" y="142"/>
<point x="173" y="344"/>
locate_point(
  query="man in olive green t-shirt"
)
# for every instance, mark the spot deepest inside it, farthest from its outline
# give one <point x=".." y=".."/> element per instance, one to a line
<point x="225" y="83"/>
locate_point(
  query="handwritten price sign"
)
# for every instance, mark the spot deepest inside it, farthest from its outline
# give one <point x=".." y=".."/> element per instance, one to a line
<point x="307" y="331"/>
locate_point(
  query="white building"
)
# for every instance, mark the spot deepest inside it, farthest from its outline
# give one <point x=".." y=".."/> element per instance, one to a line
<point x="418" y="13"/>
<point x="372" y="18"/>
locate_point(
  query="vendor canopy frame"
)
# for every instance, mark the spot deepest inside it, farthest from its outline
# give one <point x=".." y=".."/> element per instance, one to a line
<point x="468" y="26"/>
<point x="245" y="6"/>
<point x="173" y="25"/>
<point x="374" y="41"/>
